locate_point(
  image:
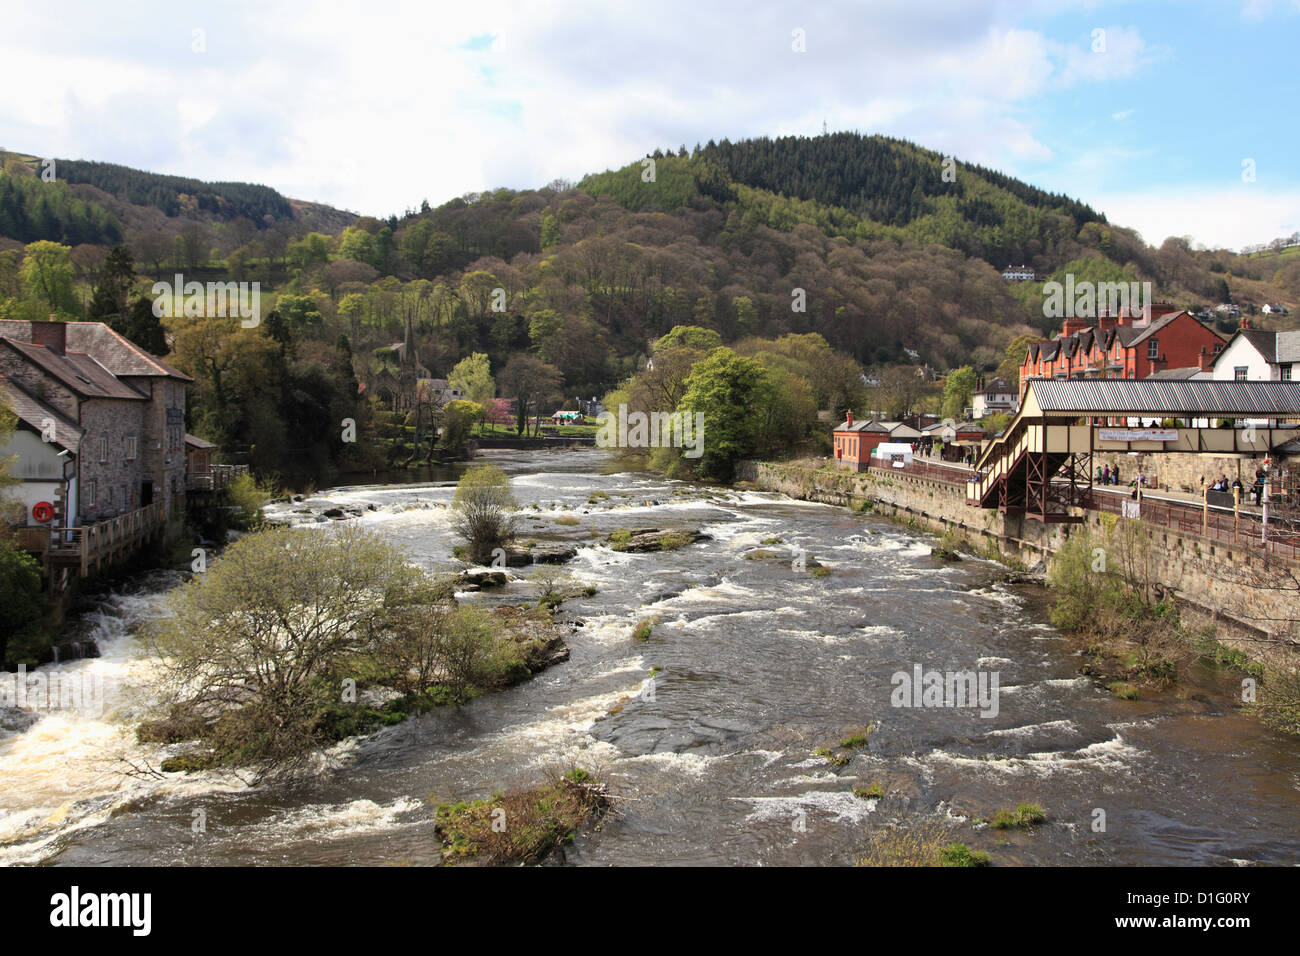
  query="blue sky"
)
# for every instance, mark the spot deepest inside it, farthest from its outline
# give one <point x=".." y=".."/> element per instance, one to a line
<point x="376" y="107"/>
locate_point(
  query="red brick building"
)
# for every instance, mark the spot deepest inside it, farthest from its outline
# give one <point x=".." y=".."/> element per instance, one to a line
<point x="854" y="441"/>
<point x="1129" y="345"/>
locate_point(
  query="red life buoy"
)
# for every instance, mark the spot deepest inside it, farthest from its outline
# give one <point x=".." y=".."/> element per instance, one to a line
<point x="43" y="511"/>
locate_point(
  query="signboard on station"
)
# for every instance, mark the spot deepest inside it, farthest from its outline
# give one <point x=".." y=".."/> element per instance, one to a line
<point x="1137" y="434"/>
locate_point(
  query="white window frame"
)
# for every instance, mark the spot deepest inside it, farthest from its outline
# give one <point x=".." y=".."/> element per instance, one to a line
<point x="132" y="447"/>
<point x="103" y="449"/>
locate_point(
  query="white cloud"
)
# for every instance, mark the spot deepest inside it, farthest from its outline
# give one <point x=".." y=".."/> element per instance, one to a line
<point x="1230" y="217"/>
<point x="409" y="101"/>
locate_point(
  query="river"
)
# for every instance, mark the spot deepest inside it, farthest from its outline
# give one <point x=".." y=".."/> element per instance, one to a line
<point x="759" y="665"/>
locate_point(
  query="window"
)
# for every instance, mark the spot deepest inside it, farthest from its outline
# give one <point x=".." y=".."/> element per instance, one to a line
<point x="90" y="494"/>
<point x="1153" y="349"/>
<point x="1239" y="372"/>
<point x="1285" y="371"/>
<point x="131" y="447"/>
<point x="103" y="448"/>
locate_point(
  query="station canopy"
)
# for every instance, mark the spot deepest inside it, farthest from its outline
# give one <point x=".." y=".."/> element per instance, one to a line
<point x="1063" y="398"/>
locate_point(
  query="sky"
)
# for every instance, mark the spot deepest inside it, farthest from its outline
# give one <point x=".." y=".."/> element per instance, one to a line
<point x="1173" y="118"/>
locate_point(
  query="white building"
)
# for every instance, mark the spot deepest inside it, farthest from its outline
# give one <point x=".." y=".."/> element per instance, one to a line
<point x="45" y="444"/>
<point x="995" y="398"/>
<point x="1254" y="355"/>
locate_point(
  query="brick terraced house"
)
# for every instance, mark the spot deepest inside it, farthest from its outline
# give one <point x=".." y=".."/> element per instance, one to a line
<point x="1128" y="345"/>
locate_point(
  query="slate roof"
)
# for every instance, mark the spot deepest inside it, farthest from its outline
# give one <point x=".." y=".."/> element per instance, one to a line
<point x="76" y="370"/>
<point x="35" y="413"/>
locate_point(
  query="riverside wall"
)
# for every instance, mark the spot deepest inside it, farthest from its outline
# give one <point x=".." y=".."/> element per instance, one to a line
<point x="1221" y="584"/>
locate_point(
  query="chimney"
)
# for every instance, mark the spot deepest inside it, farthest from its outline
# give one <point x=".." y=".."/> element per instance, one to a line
<point x="53" y="335"/>
<point x="1107" y="320"/>
<point x="1157" y="309"/>
<point x="1206" y="359"/>
<point x="850" y="417"/>
<point x="1074" y="324"/>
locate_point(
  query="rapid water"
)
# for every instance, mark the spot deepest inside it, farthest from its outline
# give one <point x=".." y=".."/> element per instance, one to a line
<point x="713" y="756"/>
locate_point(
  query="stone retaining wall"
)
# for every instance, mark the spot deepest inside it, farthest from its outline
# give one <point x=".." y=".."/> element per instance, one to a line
<point x="1209" y="575"/>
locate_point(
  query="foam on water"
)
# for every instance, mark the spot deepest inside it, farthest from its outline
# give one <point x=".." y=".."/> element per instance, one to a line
<point x="840" y="806"/>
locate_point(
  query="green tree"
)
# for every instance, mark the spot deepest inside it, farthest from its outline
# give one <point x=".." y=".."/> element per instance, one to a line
<point x="957" y="391"/>
<point x="258" y="647"/>
<point x="46" y="275"/>
<point x="550" y="234"/>
<point x="482" y="511"/>
<point x="458" y="417"/>
<point x="733" y="394"/>
<point x="141" y="326"/>
<point x="111" y="296"/>
<point x="473" y="376"/>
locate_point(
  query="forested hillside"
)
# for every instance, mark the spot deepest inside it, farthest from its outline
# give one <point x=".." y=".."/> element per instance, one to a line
<point x="860" y="240"/>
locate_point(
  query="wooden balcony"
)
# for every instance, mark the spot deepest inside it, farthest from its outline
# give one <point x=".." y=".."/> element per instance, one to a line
<point x="217" y="478"/>
<point x="93" y="547"/>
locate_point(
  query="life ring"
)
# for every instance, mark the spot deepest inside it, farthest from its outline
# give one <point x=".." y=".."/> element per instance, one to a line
<point x="43" y="511"/>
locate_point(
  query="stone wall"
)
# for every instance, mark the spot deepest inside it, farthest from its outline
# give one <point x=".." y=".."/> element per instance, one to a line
<point x="117" y="480"/>
<point x="1223" y="582"/>
<point x="1182" y="472"/>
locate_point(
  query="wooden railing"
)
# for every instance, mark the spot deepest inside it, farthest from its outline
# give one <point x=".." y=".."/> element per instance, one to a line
<point x="216" y="479"/>
<point x="92" y="545"/>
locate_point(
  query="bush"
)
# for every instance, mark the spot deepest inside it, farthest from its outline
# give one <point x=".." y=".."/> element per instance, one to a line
<point x="959" y="854"/>
<point x="482" y="511"/>
<point x="249" y="495"/>
<point x="22" y="605"/>
<point x="521" y="827"/>
<point x="1024" y="816"/>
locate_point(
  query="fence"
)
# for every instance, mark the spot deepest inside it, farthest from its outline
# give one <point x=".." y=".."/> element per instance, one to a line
<point x="1243" y="529"/>
<point x="215" y="479"/>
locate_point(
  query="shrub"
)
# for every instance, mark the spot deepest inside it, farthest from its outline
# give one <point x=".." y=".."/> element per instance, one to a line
<point x="959" y="854"/>
<point x="482" y="511"/>
<point x="1024" y="816"/>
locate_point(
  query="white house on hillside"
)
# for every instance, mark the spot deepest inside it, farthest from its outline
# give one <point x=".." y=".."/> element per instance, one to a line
<point x="997" y="397"/>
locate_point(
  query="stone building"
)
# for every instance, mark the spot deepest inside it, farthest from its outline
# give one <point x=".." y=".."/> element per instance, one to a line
<point x="117" y="411"/>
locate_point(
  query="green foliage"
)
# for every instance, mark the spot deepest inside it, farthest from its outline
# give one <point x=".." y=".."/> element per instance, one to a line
<point x="473" y="376"/>
<point x="46" y="275"/>
<point x="22" y="605"/>
<point x="959" y="854"/>
<point x="32" y="210"/>
<point x="176" y="194"/>
<point x="249" y="495"/>
<point x="734" y="395"/>
<point x="482" y="511"/>
<point x="957" y="391"/>
<point x="1024" y="816"/>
